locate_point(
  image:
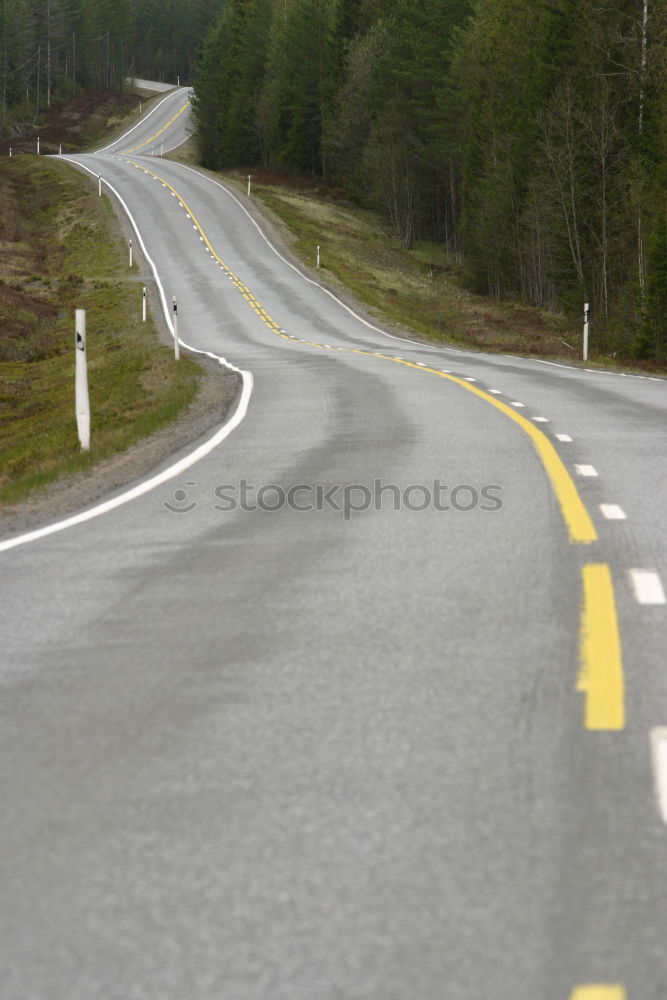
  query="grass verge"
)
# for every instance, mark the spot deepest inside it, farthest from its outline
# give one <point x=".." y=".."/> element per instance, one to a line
<point x="61" y="249"/>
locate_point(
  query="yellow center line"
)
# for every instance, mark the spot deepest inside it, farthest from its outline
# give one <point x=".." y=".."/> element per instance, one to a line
<point x="601" y="676"/>
<point x="159" y="132"/>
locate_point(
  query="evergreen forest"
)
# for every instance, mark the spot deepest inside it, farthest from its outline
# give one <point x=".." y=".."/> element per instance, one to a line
<point x="526" y="137"/>
<point x="52" y="49"/>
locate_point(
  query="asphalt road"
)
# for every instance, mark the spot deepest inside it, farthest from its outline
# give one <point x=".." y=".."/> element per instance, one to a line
<point x="338" y="753"/>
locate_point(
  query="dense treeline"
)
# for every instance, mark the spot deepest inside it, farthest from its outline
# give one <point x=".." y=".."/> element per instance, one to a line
<point x="51" y="48"/>
<point x="526" y="136"/>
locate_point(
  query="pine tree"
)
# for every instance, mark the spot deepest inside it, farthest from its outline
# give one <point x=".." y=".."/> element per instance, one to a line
<point x="17" y="45"/>
<point x="209" y="90"/>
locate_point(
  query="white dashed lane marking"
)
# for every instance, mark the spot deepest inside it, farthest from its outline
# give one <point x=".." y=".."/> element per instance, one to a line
<point x="647" y="586"/>
<point x="586" y="470"/>
<point x="659" y="755"/>
<point x="612" y="512"/>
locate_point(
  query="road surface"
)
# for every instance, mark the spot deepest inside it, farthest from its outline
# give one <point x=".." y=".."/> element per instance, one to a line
<point x="367" y="703"/>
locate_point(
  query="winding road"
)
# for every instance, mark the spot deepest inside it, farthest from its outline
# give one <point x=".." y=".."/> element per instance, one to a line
<point x="362" y="697"/>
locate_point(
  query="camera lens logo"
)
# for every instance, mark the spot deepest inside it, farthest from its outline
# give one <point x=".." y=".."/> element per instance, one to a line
<point x="180" y="505"/>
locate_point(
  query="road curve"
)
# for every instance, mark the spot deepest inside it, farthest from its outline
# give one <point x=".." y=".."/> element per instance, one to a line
<point x="271" y="731"/>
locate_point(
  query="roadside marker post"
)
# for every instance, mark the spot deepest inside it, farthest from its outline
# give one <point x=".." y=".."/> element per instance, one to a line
<point x="130" y="253"/>
<point x="60" y="149"/>
<point x="318" y="257"/>
<point x="38" y="145"/>
<point x="586" y="313"/>
<point x="99" y="185"/>
<point x="177" y="352"/>
<point x="143" y="309"/>
<point x="82" y="402"/>
<point x="249" y="183"/>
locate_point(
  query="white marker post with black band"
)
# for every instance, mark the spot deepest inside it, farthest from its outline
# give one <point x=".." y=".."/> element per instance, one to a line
<point x="586" y="314"/>
<point x="82" y="402"/>
<point x="177" y="352"/>
<point x="130" y="253"/>
<point x="249" y="183"/>
<point x="143" y="308"/>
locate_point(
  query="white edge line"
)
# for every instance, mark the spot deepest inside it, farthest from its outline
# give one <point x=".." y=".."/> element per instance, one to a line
<point x="659" y="755"/>
<point x="153" y="268"/>
<point x="178" y="145"/>
<point x="592" y="371"/>
<point x="113" y="145"/>
<point x="173" y="470"/>
<point x="148" y="484"/>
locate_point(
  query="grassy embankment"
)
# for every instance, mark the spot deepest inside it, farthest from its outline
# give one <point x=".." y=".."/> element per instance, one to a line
<point x="61" y="249"/>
